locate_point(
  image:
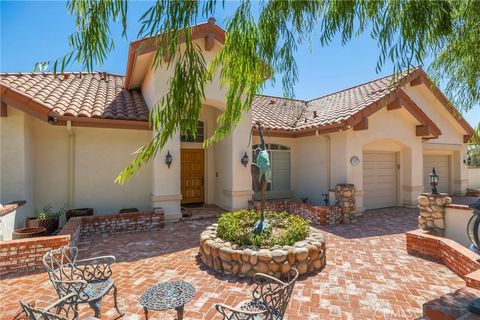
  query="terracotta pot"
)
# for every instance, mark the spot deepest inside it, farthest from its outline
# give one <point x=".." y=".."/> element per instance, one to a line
<point x="28" y="233"/>
<point x="81" y="212"/>
<point x="50" y="225"/>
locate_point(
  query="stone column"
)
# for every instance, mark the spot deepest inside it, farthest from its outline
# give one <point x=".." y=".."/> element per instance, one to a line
<point x="345" y="199"/>
<point x="432" y="212"/>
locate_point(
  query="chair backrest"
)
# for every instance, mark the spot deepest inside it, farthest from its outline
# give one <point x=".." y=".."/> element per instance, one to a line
<point x="60" y="263"/>
<point x="37" y="314"/>
<point x="276" y="294"/>
<point x="229" y="313"/>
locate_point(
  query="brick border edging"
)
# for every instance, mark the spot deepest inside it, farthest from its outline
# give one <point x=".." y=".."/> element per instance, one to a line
<point x="459" y="259"/>
<point x="25" y="255"/>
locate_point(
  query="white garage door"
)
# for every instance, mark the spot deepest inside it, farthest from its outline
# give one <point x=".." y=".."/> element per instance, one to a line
<point x="442" y="168"/>
<point x="379" y="180"/>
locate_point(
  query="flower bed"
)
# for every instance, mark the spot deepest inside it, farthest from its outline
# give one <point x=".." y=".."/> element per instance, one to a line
<point x="307" y="256"/>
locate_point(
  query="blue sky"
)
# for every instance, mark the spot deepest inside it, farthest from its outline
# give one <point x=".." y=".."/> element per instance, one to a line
<point x="36" y="31"/>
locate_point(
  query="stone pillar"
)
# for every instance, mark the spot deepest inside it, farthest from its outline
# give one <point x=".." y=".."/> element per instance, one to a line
<point x="432" y="212"/>
<point x="345" y="199"/>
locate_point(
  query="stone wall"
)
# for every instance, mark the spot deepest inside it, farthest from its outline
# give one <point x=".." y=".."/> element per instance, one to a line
<point x="345" y="199"/>
<point x="25" y="255"/>
<point x="432" y="212"/>
<point x="307" y="256"/>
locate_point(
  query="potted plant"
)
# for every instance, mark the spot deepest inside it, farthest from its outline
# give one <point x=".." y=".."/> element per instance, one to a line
<point x="46" y="218"/>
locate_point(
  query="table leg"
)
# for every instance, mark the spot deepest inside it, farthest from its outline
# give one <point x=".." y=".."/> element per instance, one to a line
<point x="146" y="313"/>
<point x="179" y="313"/>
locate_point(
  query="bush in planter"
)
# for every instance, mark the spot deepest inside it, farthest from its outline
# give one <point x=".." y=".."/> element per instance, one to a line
<point x="46" y="218"/>
<point x="284" y="229"/>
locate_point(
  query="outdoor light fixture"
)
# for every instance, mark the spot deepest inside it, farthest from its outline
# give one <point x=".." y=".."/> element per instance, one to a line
<point x="468" y="161"/>
<point x="433" y="179"/>
<point x="52" y="120"/>
<point x="473" y="231"/>
<point x="244" y="159"/>
<point x="168" y="159"/>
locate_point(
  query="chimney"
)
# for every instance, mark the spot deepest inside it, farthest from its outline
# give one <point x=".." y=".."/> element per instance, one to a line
<point x="212" y="20"/>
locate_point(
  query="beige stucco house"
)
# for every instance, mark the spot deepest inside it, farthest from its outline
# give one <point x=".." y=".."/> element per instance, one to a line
<point x="65" y="138"/>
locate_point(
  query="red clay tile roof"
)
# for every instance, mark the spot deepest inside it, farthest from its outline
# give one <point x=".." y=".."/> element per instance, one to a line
<point x="335" y="108"/>
<point x="91" y="95"/>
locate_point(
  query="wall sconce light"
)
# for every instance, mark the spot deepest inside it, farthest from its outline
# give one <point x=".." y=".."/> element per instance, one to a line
<point x="433" y="179"/>
<point x="244" y="159"/>
<point x="168" y="159"/>
<point x="52" y="120"/>
<point x="468" y="161"/>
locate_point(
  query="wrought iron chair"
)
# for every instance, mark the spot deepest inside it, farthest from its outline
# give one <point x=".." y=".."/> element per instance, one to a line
<point x="270" y="298"/>
<point x="59" y="310"/>
<point x="88" y="279"/>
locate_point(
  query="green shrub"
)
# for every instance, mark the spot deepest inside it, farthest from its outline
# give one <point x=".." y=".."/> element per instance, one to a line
<point x="283" y="229"/>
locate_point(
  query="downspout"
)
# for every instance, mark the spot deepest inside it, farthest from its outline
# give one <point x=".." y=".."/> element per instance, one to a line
<point x="70" y="159"/>
<point x="327" y="138"/>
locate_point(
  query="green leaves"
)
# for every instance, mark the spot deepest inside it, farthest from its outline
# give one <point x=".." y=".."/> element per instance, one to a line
<point x="283" y="229"/>
<point x="261" y="43"/>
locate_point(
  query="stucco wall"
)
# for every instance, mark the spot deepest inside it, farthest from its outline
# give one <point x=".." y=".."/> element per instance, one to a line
<point x="35" y="166"/>
<point x="16" y="162"/>
<point x="456" y="221"/>
<point x="450" y="141"/>
<point x="473" y="178"/>
<point x="387" y="131"/>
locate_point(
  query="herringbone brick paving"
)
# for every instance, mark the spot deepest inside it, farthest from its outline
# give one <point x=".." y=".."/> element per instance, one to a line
<point x="369" y="274"/>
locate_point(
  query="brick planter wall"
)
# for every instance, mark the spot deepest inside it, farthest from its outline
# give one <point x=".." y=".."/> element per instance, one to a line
<point x="25" y="255"/>
<point x="459" y="259"/>
<point x="122" y="222"/>
<point x="315" y="214"/>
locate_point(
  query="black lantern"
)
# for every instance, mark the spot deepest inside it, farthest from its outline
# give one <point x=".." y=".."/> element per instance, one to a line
<point x="433" y="179"/>
<point x="244" y="160"/>
<point x="473" y="231"/>
<point x="168" y="159"/>
<point x="468" y="162"/>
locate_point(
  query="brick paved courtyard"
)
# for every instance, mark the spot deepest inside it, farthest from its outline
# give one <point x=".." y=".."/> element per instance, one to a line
<point x="369" y="274"/>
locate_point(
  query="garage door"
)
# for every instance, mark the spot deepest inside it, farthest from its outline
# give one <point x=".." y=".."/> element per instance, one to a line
<point x="442" y="168"/>
<point x="379" y="180"/>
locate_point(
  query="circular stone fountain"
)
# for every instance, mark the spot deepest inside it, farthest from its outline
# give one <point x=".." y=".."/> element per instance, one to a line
<point x="307" y="256"/>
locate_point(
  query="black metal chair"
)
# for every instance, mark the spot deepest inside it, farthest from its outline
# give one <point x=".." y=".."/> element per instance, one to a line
<point x="89" y="280"/>
<point x="270" y="298"/>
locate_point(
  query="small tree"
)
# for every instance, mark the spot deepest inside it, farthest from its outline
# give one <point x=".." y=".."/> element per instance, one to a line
<point x="263" y="38"/>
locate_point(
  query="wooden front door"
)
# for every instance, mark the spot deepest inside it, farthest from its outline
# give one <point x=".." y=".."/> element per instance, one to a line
<point x="192" y="175"/>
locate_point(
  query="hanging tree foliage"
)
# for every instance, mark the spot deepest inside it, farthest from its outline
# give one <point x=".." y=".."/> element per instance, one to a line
<point x="262" y="40"/>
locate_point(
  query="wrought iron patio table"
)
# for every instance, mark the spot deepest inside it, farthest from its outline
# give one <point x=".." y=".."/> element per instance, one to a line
<point x="168" y="295"/>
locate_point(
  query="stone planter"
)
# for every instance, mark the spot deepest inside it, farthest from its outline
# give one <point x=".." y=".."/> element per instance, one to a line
<point x="28" y="233"/>
<point x="50" y="225"/>
<point x="82" y="212"/>
<point x="307" y="256"/>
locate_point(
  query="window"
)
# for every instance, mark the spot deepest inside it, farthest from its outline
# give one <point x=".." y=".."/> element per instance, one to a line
<point x="199" y="137"/>
<point x="280" y="163"/>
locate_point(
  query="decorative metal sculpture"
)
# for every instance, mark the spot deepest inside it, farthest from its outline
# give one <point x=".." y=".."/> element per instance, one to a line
<point x="59" y="310"/>
<point x="88" y="279"/>
<point x="261" y="175"/>
<point x="269" y="294"/>
<point x="473" y="231"/>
